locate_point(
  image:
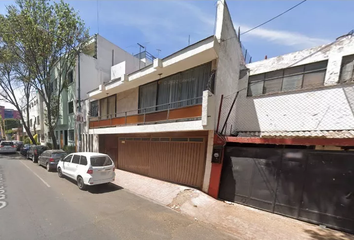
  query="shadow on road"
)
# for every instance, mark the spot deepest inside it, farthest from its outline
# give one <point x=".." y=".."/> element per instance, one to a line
<point x="104" y="188"/>
<point x="98" y="189"/>
<point x="323" y="234"/>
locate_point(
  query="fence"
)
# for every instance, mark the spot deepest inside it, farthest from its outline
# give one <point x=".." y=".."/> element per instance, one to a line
<point x="246" y="55"/>
<point x="309" y="112"/>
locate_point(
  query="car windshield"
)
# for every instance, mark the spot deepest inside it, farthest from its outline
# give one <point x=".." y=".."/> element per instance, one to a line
<point x="59" y="155"/>
<point x="7" y="143"/>
<point x="99" y="161"/>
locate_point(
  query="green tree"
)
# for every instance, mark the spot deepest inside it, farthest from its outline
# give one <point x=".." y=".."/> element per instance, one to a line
<point x="46" y="37"/>
<point x="11" y="73"/>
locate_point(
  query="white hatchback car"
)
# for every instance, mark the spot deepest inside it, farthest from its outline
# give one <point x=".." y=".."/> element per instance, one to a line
<point x="87" y="168"/>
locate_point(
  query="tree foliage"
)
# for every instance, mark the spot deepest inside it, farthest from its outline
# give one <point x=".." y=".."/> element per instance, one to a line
<point x="44" y="38"/>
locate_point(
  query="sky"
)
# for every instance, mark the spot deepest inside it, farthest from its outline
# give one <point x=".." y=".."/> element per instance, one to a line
<point x="164" y="27"/>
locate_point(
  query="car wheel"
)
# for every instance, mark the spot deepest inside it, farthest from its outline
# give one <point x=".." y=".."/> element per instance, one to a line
<point x="60" y="174"/>
<point x="38" y="162"/>
<point x="80" y="183"/>
<point x="48" y="167"/>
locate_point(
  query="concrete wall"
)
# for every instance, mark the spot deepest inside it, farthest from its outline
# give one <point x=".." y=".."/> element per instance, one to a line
<point x="104" y="54"/>
<point x="128" y="101"/>
<point x="325" y="108"/>
<point x="230" y="60"/>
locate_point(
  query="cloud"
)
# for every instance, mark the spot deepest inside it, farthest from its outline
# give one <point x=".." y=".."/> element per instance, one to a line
<point x="286" y="38"/>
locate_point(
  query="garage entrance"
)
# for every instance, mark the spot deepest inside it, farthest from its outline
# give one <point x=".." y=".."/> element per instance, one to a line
<point x="313" y="186"/>
<point x="173" y="157"/>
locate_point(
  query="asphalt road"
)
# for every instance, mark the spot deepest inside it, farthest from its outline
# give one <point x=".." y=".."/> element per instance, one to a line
<point x="35" y="204"/>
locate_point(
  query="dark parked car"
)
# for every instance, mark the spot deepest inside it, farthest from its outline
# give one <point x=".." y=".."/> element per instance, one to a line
<point x="18" y="145"/>
<point x="24" y="149"/>
<point x="50" y="159"/>
<point x="34" y="152"/>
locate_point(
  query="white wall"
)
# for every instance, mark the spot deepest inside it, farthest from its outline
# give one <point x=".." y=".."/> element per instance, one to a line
<point x="230" y="60"/>
<point x="326" y="108"/>
<point x="104" y="54"/>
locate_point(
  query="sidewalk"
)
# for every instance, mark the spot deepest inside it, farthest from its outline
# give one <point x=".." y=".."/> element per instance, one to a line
<point x="241" y="221"/>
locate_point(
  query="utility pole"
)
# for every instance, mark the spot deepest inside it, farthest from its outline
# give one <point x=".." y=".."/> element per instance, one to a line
<point x="140" y="47"/>
<point x="79" y="95"/>
<point x="158" y="52"/>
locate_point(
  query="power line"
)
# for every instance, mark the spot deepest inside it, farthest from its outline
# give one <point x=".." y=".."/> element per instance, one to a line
<point x="274" y="17"/>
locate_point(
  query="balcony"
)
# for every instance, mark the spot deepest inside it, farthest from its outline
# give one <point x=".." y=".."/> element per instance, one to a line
<point x="186" y="110"/>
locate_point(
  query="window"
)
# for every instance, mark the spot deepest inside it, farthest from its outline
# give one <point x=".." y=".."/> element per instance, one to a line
<point x="67" y="158"/>
<point x="76" y="159"/>
<point x="70" y="76"/>
<point x="71" y="107"/>
<point x="99" y="161"/>
<point x="71" y="135"/>
<point x="178" y="90"/>
<point x="347" y="70"/>
<point x="58" y="154"/>
<point x="55" y="84"/>
<point x="289" y="79"/>
<point x="94" y="109"/>
<point x="108" y="107"/>
<point x="83" y="160"/>
<point x="37" y="120"/>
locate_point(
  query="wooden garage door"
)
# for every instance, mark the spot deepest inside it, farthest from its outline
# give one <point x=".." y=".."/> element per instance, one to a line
<point x="179" y="159"/>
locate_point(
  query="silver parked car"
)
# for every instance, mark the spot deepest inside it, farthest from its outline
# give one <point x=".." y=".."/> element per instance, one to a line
<point x="50" y="159"/>
<point x="7" y="147"/>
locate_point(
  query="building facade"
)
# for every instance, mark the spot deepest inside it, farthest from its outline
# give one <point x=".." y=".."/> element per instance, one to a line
<point x="93" y="68"/>
<point x="160" y="120"/>
<point x="289" y="136"/>
<point x="36" y="119"/>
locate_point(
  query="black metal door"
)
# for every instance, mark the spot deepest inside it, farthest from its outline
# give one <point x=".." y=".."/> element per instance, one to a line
<point x="314" y="186"/>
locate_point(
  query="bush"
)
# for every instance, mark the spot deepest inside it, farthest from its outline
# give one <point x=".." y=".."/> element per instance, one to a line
<point x="26" y="140"/>
<point x="69" y="149"/>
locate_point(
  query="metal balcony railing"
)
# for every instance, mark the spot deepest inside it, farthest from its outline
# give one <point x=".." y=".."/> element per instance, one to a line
<point x="184" y="109"/>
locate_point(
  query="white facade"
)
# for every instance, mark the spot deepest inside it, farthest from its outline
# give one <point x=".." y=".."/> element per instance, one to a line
<point x="95" y="69"/>
<point x="222" y="50"/>
<point x="36" y="118"/>
<point x="318" y="110"/>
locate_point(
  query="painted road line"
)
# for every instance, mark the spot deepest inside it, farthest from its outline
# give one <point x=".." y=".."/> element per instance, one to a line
<point x="3" y="203"/>
<point x="36" y="175"/>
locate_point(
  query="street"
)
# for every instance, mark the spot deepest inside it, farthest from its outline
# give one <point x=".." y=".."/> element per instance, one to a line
<point x="36" y="204"/>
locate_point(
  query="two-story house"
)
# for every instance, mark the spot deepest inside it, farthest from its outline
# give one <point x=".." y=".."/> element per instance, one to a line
<point x="159" y="121"/>
<point x="290" y="135"/>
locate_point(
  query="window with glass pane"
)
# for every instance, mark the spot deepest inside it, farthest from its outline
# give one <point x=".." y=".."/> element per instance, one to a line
<point x="71" y="135"/>
<point x="71" y="107"/>
<point x="315" y="79"/>
<point x="273" y="81"/>
<point x="292" y="78"/>
<point x="347" y="71"/>
<point x="255" y="85"/>
<point x="94" y="108"/>
<point x="76" y="159"/>
<point x="111" y="106"/>
<point x="103" y="110"/>
<point x="147" y="97"/>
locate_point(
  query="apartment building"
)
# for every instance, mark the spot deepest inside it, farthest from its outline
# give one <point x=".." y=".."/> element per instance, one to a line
<point x="159" y="121"/>
<point x="289" y="137"/>
<point x="36" y="119"/>
<point x="93" y="68"/>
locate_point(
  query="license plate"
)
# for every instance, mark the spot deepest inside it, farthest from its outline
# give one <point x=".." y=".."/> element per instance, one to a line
<point x="103" y="173"/>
